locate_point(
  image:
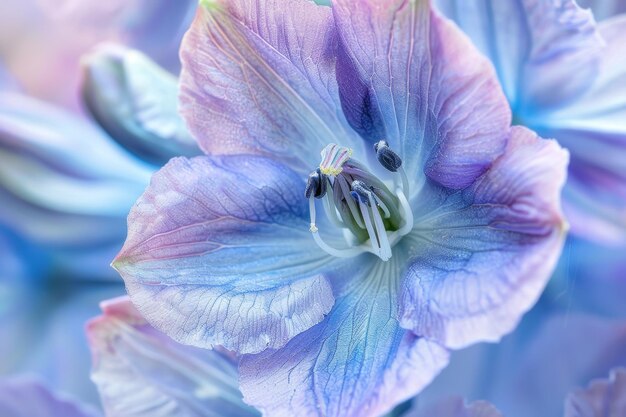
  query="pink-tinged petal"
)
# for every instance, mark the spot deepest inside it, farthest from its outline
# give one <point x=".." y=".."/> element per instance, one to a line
<point x="545" y="52"/>
<point x="486" y="253"/>
<point x="140" y="372"/>
<point x="219" y="253"/>
<point x="258" y="77"/>
<point x="593" y="129"/>
<point x="357" y="363"/>
<point x="454" y="407"/>
<point x="411" y="77"/>
<point x="602" y="398"/>
<point x="23" y="397"/>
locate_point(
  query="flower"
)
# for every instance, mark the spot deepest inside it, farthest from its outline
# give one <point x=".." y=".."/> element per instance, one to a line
<point x="342" y="302"/>
<point x="564" y="78"/>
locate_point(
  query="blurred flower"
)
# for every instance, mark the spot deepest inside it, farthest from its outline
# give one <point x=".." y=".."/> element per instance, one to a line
<point x="27" y="397"/>
<point x="36" y="34"/>
<point x="442" y="236"/>
<point x="141" y="372"/>
<point x="531" y="371"/>
<point x="455" y="407"/>
<point x="155" y="27"/>
<point x="602" y="398"/>
<point x="64" y="184"/>
<point x="565" y="78"/>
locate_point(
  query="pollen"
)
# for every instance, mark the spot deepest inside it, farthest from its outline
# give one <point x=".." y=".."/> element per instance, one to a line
<point x="333" y="159"/>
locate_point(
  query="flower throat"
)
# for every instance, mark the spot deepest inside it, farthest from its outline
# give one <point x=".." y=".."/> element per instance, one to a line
<point x="372" y="217"/>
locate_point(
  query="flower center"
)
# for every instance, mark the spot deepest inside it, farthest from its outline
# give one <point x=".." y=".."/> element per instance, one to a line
<point x="372" y="217"/>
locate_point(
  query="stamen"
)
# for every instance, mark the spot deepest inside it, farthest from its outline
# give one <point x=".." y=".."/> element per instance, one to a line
<point x="407" y="214"/>
<point x="333" y="158"/>
<point x="345" y="189"/>
<point x="331" y="211"/>
<point x="339" y="253"/>
<point x="405" y="183"/>
<point x="370" y="228"/>
<point x="316" y="185"/>
<point x="387" y="158"/>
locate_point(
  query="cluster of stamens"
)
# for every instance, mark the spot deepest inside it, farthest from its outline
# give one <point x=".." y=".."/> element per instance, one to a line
<point x="372" y="217"/>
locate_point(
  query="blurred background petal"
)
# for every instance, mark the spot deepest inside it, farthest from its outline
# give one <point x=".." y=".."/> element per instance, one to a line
<point x="136" y="102"/>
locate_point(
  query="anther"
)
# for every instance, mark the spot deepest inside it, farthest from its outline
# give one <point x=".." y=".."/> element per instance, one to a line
<point x="316" y="184"/>
<point x="387" y="158"/>
<point x="360" y="193"/>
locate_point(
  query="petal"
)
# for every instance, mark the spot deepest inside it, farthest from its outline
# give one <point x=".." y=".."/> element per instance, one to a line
<point x="258" y="77"/>
<point x="454" y="407"/>
<point x="136" y="102"/>
<point x="486" y="254"/>
<point x="141" y="372"/>
<point x="219" y="252"/>
<point x="357" y="363"/>
<point x="593" y="129"/>
<point x="602" y="398"/>
<point x="29" y="398"/>
<point x="412" y="77"/>
<point x="604" y="9"/>
<point x="545" y="52"/>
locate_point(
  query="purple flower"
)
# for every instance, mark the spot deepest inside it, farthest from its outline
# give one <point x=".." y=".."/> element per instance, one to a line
<point x="565" y="77"/>
<point x="426" y="222"/>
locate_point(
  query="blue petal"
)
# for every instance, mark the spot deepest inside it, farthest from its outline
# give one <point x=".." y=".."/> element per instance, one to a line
<point x="136" y="102"/>
<point x="29" y="398"/>
<point x="545" y="52"/>
<point x="219" y="252"/>
<point x="143" y="373"/>
<point x="357" y="363"/>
